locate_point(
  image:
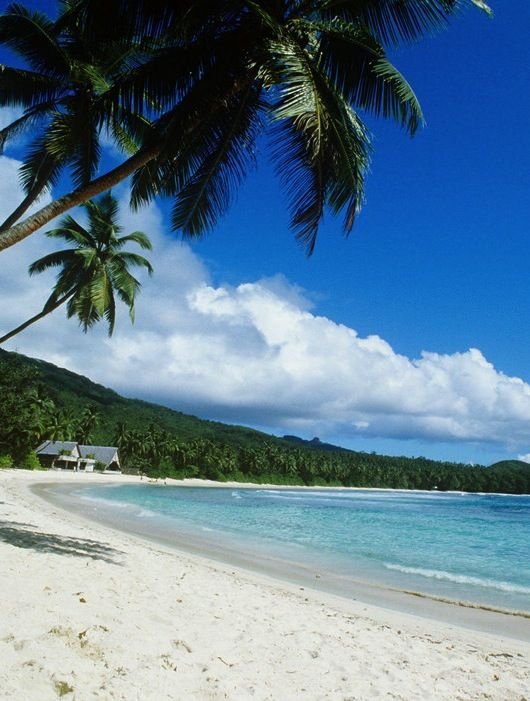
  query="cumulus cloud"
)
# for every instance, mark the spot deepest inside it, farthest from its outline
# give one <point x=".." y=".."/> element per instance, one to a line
<point x="259" y="353"/>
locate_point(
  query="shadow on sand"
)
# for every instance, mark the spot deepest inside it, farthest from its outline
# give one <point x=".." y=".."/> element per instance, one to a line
<point x="23" y="535"/>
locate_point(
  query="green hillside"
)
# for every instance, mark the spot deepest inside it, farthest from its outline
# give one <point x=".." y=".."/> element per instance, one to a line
<point x="510" y="465"/>
<point x="72" y="392"/>
<point x="42" y="401"/>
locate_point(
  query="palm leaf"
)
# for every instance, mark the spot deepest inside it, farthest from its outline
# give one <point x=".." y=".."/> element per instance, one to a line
<point x="74" y="138"/>
<point x="28" y="120"/>
<point x="133" y="259"/>
<point x="321" y="148"/>
<point x="358" y="67"/>
<point x="51" y="260"/>
<point x="23" y="88"/>
<point x="392" y="21"/>
<point x="40" y="169"/>
<point x="70" y="230"/>
<point x="33" y="36"/>
<point x="136" y="237"/>
<point x="229" y="154"/>
<point x="189" y="132"/>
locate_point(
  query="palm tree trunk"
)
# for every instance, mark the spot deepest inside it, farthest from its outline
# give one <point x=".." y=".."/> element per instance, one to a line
<point x="62" y="204"/>
<point x="35" y="318"/>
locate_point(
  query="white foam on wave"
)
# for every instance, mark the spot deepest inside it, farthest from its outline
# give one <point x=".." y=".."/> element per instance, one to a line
<point x="461" y="579"/>
<point x="290" y="496"/>
<point x="358" y="493"/>
<point x="147" y="513"/>
<point x="102" y="500"/>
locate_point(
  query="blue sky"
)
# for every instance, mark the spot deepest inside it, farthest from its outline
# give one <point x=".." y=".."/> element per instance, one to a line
<point x="437" y="263"/>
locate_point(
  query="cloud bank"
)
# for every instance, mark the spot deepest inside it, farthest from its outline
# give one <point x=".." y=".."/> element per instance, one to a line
<point x="257" y="353"/>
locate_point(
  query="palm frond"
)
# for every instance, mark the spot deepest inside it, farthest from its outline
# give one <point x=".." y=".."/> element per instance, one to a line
<point x="321" y="148"/>
<point x="394" y="21"/>
<point x="160" y="81"/>
<point x="28" y="120"/>
<point x="100" y="289"/>
<point x="136" y="237"/>
<point x="81" y="306"/>
<point x="125" y="284"/>
<point x="27" y="89"/>
<point x="110" y="314"/>
<point x="51" y="260"/>
<point x="40" y="169"/>
<point x="228" y="156"/>
<point x="359" y="69"/>
<point x="189" y="130"/>
<point x="74" y="138"/>
<point x="133" y="259"/>
<point x="33" y="36"/>
<point x="70" y="230"/>
<point x="102" y="219"/>
<point x="128" y="131"/>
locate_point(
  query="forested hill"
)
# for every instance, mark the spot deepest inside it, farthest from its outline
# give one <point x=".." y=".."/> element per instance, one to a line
<point x="72" y="393"/>
<point x="42" y="401"/>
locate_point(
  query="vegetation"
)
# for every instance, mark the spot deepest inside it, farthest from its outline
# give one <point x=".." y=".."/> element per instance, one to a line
<point x="160" y="442"/>
<point x="94" y="270"/>
<point x="185" y="89"/>
<point x="22" y="410"/>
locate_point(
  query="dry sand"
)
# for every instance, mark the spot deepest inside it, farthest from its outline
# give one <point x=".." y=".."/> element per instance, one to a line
<point x="88" y="612"/>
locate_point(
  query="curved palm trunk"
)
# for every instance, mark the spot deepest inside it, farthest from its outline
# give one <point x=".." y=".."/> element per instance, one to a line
<point x="35" y="318"/>
<point x="62" y="204"/>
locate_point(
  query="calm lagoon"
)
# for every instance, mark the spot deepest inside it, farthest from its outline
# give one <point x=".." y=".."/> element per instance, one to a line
<point x="464" y="547"/>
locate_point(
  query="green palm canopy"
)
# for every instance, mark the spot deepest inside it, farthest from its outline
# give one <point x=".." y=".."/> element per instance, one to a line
<point x="62" y="92"/>
<point x="94" y="271"/>
<point x="194" y="84"/>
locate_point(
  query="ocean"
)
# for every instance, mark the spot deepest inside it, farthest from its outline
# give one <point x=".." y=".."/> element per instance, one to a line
<point x="463" y="547"/>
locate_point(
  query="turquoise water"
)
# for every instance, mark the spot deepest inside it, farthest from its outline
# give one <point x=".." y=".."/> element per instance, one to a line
<point x="469" y="547"/>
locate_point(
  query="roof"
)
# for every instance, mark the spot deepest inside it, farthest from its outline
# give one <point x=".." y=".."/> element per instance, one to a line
<point x="55" y="447"/>
<point x="101" y="453"/>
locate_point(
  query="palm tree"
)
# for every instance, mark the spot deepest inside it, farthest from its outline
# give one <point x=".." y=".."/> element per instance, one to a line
<point x="209" y="78"/>
<point x="60" y="426"/>
<point x="94" y="270"/>
<point x="63" y="92"/>
<point x="88" y="421"/>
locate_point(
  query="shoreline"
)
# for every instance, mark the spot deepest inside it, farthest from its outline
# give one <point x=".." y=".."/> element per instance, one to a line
<point x="93" y="611"/>
<point x="471" y="615"/>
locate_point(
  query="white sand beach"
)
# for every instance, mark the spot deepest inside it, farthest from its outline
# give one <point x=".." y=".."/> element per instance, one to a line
<point x="89" y="612"/>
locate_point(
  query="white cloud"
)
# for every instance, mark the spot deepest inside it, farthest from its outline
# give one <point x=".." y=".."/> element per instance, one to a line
<point x="257" y="353"/>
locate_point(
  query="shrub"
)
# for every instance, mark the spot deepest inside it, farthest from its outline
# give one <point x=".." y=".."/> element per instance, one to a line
<point x="31" y="461"/>
<point x="6" y="461"/>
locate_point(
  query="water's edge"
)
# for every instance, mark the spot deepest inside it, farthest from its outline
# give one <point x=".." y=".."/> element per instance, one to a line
<point x="459" y="613"/>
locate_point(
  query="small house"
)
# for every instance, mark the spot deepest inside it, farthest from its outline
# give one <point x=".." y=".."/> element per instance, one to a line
<point x="102" y="454"/>
<point x="69" y="455"/>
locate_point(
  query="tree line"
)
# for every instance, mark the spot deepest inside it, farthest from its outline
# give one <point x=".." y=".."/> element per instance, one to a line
<point x="30" y="414"/>
<point x="161" y="454"/>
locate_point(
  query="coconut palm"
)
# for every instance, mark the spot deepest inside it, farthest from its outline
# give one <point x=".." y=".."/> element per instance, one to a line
<point x="62" y="93"/>
<point x="215" y="76"/>
<point x="59" y="426"/>
<point x="94" y="270"/>
<point x="88" y="421"/>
